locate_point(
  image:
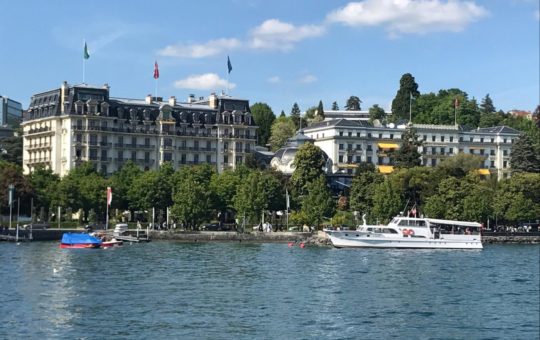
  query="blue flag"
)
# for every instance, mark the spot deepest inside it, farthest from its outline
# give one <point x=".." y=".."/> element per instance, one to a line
<point x="229" y="66"/>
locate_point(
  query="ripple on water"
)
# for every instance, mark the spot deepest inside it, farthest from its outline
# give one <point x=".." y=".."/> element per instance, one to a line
<point x="247" y="291"/>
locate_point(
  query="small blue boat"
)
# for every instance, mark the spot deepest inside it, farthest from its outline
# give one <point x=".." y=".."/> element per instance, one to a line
<point x="73" y="240"/>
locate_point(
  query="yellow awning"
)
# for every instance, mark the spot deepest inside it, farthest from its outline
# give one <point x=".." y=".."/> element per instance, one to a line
<point x="387" y="146"/>
<point x="386" y="169"/>
<point x="483" y="172"/>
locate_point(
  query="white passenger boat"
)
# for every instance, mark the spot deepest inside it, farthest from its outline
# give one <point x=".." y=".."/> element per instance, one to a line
<point x="411" y="232"/>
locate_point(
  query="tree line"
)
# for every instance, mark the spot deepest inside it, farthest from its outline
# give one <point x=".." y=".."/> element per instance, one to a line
<point x="197" y="194"/>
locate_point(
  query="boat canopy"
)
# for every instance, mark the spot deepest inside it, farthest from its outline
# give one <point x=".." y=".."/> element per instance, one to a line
<point x="73" y="238"/>
<point x="456" y="223"/>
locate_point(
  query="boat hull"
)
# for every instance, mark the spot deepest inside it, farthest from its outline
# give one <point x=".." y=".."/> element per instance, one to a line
<point x="80" y="246"/>
<point x="365" y="241"/>
<point x="111" y="243"/>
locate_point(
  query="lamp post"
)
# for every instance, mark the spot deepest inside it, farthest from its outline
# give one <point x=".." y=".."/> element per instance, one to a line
<point x="11" y="189"/>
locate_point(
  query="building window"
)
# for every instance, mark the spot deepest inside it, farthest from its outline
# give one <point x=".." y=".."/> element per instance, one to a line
<point x="504" y="141"/>
<point x="425" y="137"/>
<point x="433" y="138"/>
<point x="103" y="155"/>
<point x="340" y="159"/>
<point x="120" y="155"/>
<point x="133" y="156"/>
<point x="450" y="151"/>
<point x="349" y="159"/>
<point x="147" y="141"/>
<point x="358" y="146"/>
<point x="380" y="135"/>
<point x="93" y="139"/>
<point x="208" y="159"/>
<point x="226" y="159"/>
<point x="492" y="152"/>
<point x="433" y="162"/>
<point x="341" y="133"/>
<point x="196" y="145"/>
<point x="451" y="138"/>
<point x="147" y="156"/>
<point x="78" y="153"/>
<point x="369" y="147"/>
<point x="470" y="139"/>
<point x="341" y="146"/>
<point x="391" y="136"/>
<point x="369" y="159"/>
<point x="482" y="151"/>
<point x="167" y="156"/>
<point x="238" y="159"/>
<point x="433" y="151"/>
<point x="93" y="154"/>
<point x="369" y="135"/>
<point x="120" y="141"/>
<point x="442" y="138"/>
<point x="349" y="147"/>
<point x="505" y="152"/>
<point x="134" y="142"/>
<point x="492" y="140"/>
<point x="358" y="159"/>
<point x="183" y="158"/>
<point x="492" y="164"/>
<point x="482" y="140"/>
<point x="104" y="168"/>
<point x="505" y="164"/>
<point x="78" y="138"/>
<point x="358" y="134"/>
<point x="442" y="151"/>
<point x="350" y="134"/>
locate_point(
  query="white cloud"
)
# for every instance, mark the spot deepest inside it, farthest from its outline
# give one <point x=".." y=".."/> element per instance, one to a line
<point x="408" y="16"/>
<point x="278" y="35"/>
<point x="274" y="79"/>
<point x="210" y="48"/>
<point x="207" y="81"/>
<point x="308" y="79"/>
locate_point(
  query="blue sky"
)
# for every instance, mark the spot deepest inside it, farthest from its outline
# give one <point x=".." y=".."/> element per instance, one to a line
<point x="281" y="51"/>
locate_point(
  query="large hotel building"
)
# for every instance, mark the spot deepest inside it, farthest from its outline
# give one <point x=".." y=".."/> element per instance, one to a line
<point x="72" y="124"/>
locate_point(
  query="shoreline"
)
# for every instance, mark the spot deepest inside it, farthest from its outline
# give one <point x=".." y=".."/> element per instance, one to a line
<point x="315" y="239"/>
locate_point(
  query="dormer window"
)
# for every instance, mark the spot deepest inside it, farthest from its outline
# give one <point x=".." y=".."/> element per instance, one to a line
<point x="79" y="107"/>
<point x="105" y="109"/>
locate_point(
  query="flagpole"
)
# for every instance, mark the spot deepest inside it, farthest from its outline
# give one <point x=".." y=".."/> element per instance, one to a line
<point x="156" y="84"/>
<point x="410" y="107"/>
<point x="455" y="111"/>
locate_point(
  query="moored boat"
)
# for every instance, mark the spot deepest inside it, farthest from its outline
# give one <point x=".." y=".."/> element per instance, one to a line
<point x="74" y="240"/>
<point x="411" y="232"/>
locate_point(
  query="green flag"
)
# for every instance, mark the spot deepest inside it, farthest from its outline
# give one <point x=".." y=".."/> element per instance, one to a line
<point x="86" y="55"/>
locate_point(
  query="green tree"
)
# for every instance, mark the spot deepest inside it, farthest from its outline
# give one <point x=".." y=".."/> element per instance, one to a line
<point x="318" y="203"/>
<point x="320" y="111"/>
<point x="458" y="166"/>
<point x="192" y="199"/>
<point x="45" y="186"/>
<point x="308" y="163"/>
<point x="335" y="106"/>
<point x="11" y="149"/>
<point x="283" y="128"/>
<point x="296" y="117"/>
<point x="487" y="105"/>
<point x="518" y="198"/>
<point x="377" y="112"/>
<point x="226" y="184"/>
<point x="150" y="190"/>
<point x="401" y="103"/>
<point x="264" y="117"/>
<point x="353" y="104"/>
<point x="407" y="156"/>
<point x="282" y="114"/>
<point x="363" y="189"/>
<point x="84" y="188"/>
<point x="387" y="201"/>
<point x="11" y="174"/>
<point x="121" y="182"/>
<point x="525" y="156"/>
<point x="490" y="119"/>
<point x="416" y="184"/>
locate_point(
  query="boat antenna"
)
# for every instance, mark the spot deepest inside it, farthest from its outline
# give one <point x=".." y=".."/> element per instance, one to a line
<point x="405" y="208"/>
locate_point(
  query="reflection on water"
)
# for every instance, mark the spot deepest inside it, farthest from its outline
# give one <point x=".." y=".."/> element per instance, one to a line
<point x="228" y="290"/>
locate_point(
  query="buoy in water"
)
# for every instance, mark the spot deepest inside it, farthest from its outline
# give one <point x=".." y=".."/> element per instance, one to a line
<point x="290" y="244"/>
<point x="302" y="245"/>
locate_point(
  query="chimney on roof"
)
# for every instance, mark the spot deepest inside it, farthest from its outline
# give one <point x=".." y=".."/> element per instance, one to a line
<point x="106" y="86"/>
<point x="172" y="101"/>
<point x="213" y="101"/>
<point x="148" y="99"/>
<point x="191" y="98"/>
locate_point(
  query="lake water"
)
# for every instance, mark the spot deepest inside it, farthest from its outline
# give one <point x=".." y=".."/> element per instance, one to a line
<point x="173" y="290"/>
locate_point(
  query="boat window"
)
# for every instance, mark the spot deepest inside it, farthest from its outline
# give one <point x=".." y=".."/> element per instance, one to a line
<point x="389" y="231"/>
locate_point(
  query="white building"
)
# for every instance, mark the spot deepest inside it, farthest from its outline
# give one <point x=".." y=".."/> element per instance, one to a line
<point x="349" y="142"/>
<point x="72" y="124"/>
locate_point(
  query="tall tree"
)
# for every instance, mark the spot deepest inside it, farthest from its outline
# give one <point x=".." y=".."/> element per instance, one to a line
<point x="335" y="106"/>
<point x="387" y="200"/>
<point x="282" y="129"/>
<point x="296" y="116"/>
<point x="518" y="198"/>
<point x="11" y="149"/>
<point x="320" y="110"/>
<point x="363" y="189"/>
<point x="192" y="199"/>
<point x="353" y="104"/>
<point x="121" y="182"/>
<point x="308" y="162"/>
<point x="401" y="103"/>
<point x="524" y="157"/>
<point x="264" y="117"/>
<point x="487" y="105"/>
<point x="376" y="112"/>
<point x="407" y="156"/>
<point x="318" y="202"/>
<point x="11" y="174"/>
<point x="45" y="185"/>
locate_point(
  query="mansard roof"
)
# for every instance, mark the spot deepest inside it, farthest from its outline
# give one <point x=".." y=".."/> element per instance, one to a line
<point x="498" y="130"/>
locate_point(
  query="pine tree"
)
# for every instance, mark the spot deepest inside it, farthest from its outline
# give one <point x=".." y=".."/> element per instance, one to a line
<point x="401" y="103"/>
<point x="408" y="156"/>
<point x="487" y="105"/>
<point x="353" y="104"/>
<point x="320" y="110"/>
<point x="335" y="106"/>
<point x="295" y="116"/>
<point x="524" y="157"/>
